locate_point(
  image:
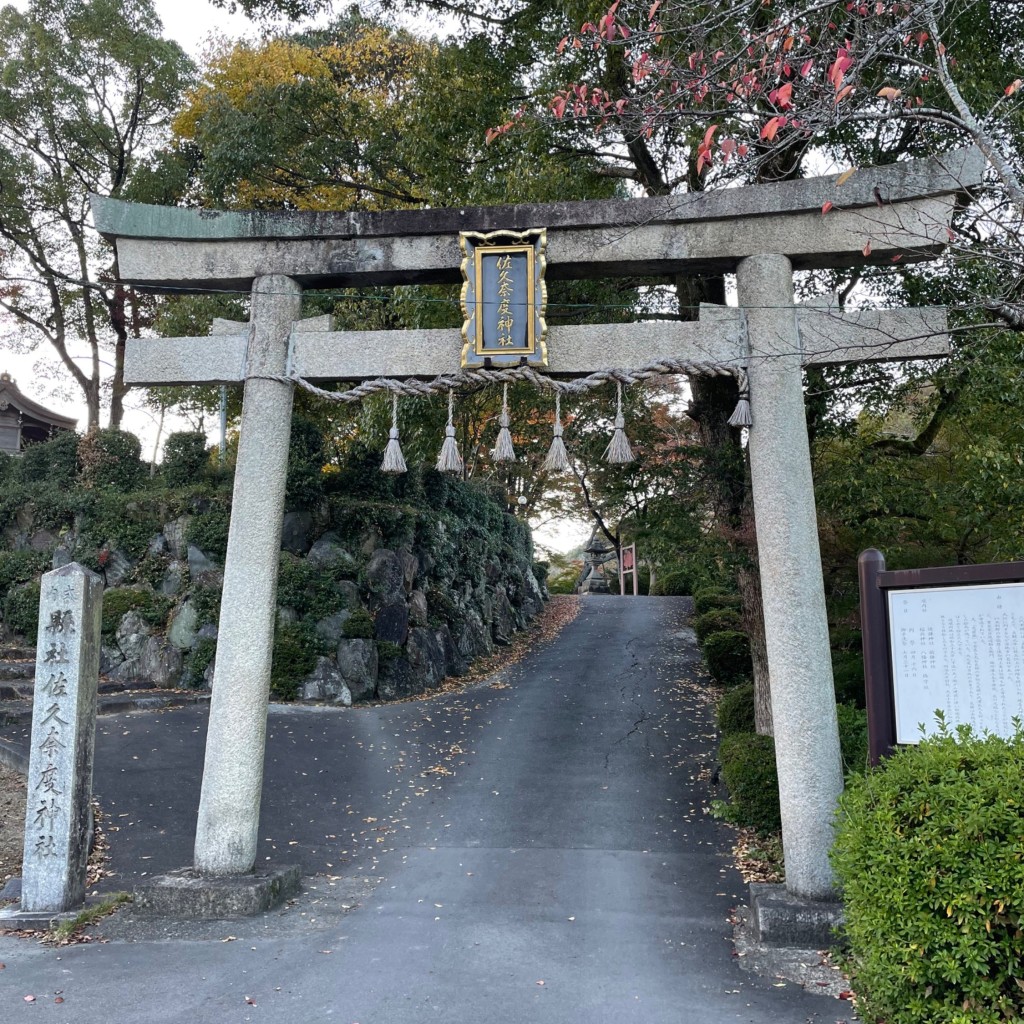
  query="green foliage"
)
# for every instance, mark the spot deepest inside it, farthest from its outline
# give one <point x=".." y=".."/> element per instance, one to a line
<point x="110" y="459"/>
<point x="54" y="462"/>
<point x="848" y="675"/>
<point x="706" y="600"/>
<point x="853" y="738"/>
<point x="736" y="710"/>
<point x="198" y="661"/>
<point x="18" y="567"/>
<point x="728" y="657"/>
<point x="109" y="519"/>
<point x="118" y="601"/>
<point x="21" y="610"/>
<point x="307" y="588"/>
<point x="748" y="770"/>
<point x="306" y="458"/>
<point x="358" y="626"/>
<point x="715" y="621"/>
<point x="562" y="585"/>
<point x="296" y="648"/>
<point x="208" y="528"/>
<point x="928" y="850"/>
<point x="388" y="651"/>
<point x="185" y="458"/>
<point x="672" y="583"/>
<point x="206" y="602"/>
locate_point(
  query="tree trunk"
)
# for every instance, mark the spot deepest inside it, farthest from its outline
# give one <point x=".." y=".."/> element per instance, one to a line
<point x="749" y="580"/>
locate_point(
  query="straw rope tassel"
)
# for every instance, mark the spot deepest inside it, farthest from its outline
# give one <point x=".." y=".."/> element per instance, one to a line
<point x="618" y="450"/>
<point x="450" y="459"/>
<point x="394" y="461"/>
<point x="558" y="459"/>
<point x="503" y="450"/>
<point x="741" y="414"/>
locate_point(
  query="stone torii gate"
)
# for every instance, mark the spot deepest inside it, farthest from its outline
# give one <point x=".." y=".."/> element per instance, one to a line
<point x="761" y="233"/>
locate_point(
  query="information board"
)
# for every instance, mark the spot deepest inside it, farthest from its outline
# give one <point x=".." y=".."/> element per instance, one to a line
<point x="959" y="650"/>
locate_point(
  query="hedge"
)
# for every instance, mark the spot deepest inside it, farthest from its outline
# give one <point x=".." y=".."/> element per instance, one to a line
<point x="928" y="851"/>
<point x="728" y="657"/>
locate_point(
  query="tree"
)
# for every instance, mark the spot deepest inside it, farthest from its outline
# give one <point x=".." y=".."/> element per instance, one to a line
<point x="86" y="89"/>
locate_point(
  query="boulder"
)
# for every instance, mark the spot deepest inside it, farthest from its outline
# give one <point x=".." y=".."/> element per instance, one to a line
<point x="131" y="634"/>
<point x="295" y="530"/>
<point x="42" y="540"/>
<point x="418" y="608"/>
<point x="371" y="541"/>
<point x="410" y="567"/>
<point x="454" y="663"/>
<point x="385" y="576"/>
<point x="357" y="663"/>
<point x="473" y="638"/>
<point x="110" y="658"/>
<point x="503" y="619"/>
<point x="207" y="632"/>
<point x="174" y="579"/>
<point x="329" y="552"/>
<point x="349" y="595"/>
<point x="184" y="627"/>
<point x="198" y="563"/>
<point x="116" y="567"/>
<point x="161" y="663"/>
<point x="392" y="622"/>
<point x="325" y="682"/>
<point x="64" y="554"/>
<point x="332" y="627"/>
<point x="426" y="655"/>
<point x="157" y="546"/>
<point x="174" y="535"/>
<point x="397" y="678"/>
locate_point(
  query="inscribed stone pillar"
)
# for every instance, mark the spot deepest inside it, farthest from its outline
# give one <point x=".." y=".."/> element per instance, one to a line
<point x="796" y="627"/>
<point x="229" y="806"/>
<point x="57" y="811"/>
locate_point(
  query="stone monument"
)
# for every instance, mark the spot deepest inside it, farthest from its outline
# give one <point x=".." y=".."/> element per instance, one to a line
<point x="58" y="816"/>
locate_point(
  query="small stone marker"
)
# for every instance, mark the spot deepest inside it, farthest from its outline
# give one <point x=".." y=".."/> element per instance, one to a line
<point x="57" y="812"/>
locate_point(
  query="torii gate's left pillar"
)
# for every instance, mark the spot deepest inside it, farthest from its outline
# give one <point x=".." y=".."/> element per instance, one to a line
<point x="229" y="807"/>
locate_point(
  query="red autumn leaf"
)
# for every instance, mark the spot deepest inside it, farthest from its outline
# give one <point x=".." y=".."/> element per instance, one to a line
<point x="806" y="69"/>
<point x="708" y="136"/>
<point x="867" y="248"/>
<point x="560" y="48"/>
<point x="1013" y="87"/>
<point x="771" y="129"/>
<point x="784" y="96"/>
<point x="826" y="207"/>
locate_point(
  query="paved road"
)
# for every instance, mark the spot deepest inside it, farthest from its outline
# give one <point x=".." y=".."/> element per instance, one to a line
<point x="535" y="849"/>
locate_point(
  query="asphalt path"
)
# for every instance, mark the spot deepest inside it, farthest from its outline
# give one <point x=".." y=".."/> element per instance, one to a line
<point x="534" y="849"/>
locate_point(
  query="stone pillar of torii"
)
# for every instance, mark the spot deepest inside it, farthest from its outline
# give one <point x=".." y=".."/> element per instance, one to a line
<point x="761" y="233"/>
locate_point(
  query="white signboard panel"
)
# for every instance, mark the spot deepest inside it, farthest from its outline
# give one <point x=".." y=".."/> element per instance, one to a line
<point x="959" y="650"/>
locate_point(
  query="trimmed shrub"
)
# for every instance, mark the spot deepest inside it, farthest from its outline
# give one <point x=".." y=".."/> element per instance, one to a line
<point x="208" y="529"/>
<point x="736" y="710"/>
<point x="716" y="621"/>
<point x="358" y="626"/>
<point x="54" y="462"/>
<point x="928" y="850"/>
<point x="110" y="459"/>
<point x="185" y="458"/>
<point x="304" y="486"/>
<point x="848" y="676"/>
<point x="853" y="738"/>
<point x="672" y="583"/>
<point x="206" y="601"/>
<point x="296" y="647"/>
<point x="708" y="600"/>
<point x="748" y="770"/>
<point x="197" y="662"/>
<point x="308" y="588"/>
<point x="728" y="657"/>
<point x="20" y="567"/>
<point x="118" y="601"/>
<point x="21" y="610"/>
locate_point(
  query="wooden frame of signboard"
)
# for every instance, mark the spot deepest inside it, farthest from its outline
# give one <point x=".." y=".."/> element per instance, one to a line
<point x="627" y="564"/>
<point x="876" y="588"/>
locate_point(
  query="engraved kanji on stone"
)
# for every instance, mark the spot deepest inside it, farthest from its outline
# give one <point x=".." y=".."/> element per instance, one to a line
<point x="48" y="780"/>
<point x="56" y="685"/>
<point x="53" y="715"/>
<point x="61" y="621"/>
<point x="56" y="653"/>
<point x="51" y="743"/>
<point x="46" y="847"/>
<point x="46" y="812"/>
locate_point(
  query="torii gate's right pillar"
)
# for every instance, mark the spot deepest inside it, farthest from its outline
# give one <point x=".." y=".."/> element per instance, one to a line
<point x="796" y="626"/>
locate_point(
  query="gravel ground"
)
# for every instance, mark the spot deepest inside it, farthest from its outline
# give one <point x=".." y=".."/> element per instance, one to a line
<point x="12" y="822"/>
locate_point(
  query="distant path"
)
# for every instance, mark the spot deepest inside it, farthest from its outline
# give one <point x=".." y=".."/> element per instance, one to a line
<point x="550" y="828"/>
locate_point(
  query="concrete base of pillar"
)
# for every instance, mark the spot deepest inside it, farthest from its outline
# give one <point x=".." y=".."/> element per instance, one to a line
<point x="14" y="919"/>
<point x="781" y="919"/>
<point x="186" y="894"/>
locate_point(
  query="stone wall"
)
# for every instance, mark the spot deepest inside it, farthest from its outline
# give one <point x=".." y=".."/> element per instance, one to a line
<point x="384" y="589"/>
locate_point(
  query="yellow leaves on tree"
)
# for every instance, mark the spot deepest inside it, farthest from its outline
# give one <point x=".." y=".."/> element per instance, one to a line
<point x="308" y="127"/>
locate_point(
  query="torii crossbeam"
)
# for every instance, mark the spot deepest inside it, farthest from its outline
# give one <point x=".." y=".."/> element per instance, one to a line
<point x="761" y="233"/>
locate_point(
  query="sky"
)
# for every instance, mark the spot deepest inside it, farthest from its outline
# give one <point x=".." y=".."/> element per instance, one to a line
<point x="193" y="24"/>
